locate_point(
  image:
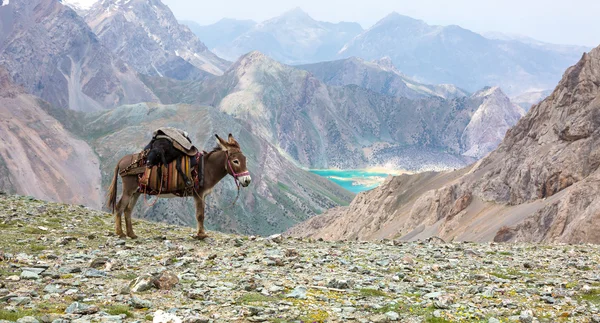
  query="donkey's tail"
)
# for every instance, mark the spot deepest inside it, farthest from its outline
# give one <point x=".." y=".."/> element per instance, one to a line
<point x="111" y="197"/>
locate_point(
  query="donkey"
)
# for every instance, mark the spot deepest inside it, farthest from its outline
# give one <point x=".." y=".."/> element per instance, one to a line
<point x="225" y="158"/>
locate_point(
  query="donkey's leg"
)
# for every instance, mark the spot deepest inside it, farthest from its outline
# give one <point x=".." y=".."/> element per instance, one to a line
<point x="128" y="209"/>
<point x="200" y="235"/>
<point x="117" y="212"/>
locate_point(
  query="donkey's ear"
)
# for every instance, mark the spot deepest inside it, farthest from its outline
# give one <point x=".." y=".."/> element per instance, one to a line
<point x="222" y="143"/>
<point x="231" y="140"/>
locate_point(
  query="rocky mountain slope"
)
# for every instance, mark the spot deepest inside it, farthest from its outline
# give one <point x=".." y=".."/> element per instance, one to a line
<point x="379" y="76"/>
<point x="146" y="35"/>
<point x="323" y="126"/>
<point x="451" y="54"/>
<point x="49" y="49"/>
<point x="281" y="194"/>
<point x="221" y="32"/>
<point x="38" y="156"/>
<point x="539" y="185"/>
<point x="90" y="275"/>
<point x="292" y="38"/>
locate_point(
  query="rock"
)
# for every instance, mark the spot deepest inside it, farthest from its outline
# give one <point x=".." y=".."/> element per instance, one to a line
<point x="493" y="320"/>
<point x="94" y="273"/>
<point x="379" y="318"/>
<point x="53" y="289"/>
<point x="196" y="319"/>
<point x="299" y="292"/>
<point x="166" y="280"/>
<point x="98" y="262"/>
<point x="28" y="319"/>
<point x="81" y="308"/>
<point x="526" y="317"/>
<point x="392" y="316"/>
<point x="139" y="303"/>
<point x="277" y="238"/>
<point x="163" y="317"/>
<point x="29" y="275"/>
<point x="69" y="270"/>
<point x="24" y="300"/>
<point x="339" y="284"/>
<point x="142" y="283"/>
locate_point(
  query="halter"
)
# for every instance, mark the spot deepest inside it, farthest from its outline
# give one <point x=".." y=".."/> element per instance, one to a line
<point x="233" y="173"/>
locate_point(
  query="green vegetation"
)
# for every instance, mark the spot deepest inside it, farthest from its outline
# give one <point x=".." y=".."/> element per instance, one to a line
<point x="254" y="298"/>
<point x="370" y="292"/>
<point x="118" y="309"/>
<point x="14" y="315"/>
<point x="592" y="296"/>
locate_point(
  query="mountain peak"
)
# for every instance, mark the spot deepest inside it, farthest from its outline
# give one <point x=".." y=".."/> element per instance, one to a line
<point x="489" y="90"/>
<point x="296" y="13"/>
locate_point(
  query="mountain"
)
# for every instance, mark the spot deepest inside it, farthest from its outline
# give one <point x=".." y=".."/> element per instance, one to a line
<point x="528" y="99"/>
<point x="220" y="33"/>
<point x="292" y="38"/>
<point x="536" y="43"/>
<point x="146" y="35"/>
<point x="349" y="127"/>
<point x="47" y="48"/>
<point x="451" y="54"/>
<point x="80" y="6"/>
<point x="281" y="194"/>
<point x="38" y="156"/>
<point x="488" y="125"/>
<point x="379" y="76"/>
<point x="540" y="185"/>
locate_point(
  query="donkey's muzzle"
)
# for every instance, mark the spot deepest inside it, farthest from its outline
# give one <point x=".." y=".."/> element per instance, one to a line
<point x="245" y="180"/>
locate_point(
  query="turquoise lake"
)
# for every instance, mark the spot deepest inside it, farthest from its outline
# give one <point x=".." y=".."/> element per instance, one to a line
<point x="353" y="180"/>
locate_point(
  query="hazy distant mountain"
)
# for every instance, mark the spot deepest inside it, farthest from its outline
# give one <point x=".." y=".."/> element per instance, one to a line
<point x="451" y="54"/>
<point x="534" y="42"/>
<point x="380" y="76"/>
<point x="220" y="33"/>
<point x="292" y="38"/>
<point x="324" y="126"/>
<point x="528" y="99"/>
<point x="51" y="51"/>
<point x="146" y="35"/>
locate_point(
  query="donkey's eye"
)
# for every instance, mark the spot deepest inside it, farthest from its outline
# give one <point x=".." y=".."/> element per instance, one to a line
<point x="237" y="162"/>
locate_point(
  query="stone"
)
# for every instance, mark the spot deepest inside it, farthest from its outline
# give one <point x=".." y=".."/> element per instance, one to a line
<point x="392" y="316"/>
<point x="142" y="283"/>
<point x="28" y="319"/>
<point x="139" y="303"/>
<point x="53" y="289"/>
<point x="299" y="292"/>
<point x="166" y="281"/>
<point x="277" y="238"/>
<point x="29" y="275"/>
<point x="339" y="284"/>
<point x="94" y="273"/>
<point x="98" y="262"/>
<point x="161" y="316"/>
<point x="81" y="308"/>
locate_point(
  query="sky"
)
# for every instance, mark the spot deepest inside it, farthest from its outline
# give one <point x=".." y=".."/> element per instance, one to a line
<point x="571" y="22"/>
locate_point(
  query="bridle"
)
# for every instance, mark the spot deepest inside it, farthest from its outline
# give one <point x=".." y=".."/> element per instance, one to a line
<point x="232" y="172"/>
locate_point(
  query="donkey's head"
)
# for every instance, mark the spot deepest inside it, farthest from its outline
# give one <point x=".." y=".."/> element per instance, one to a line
<point x="235" y="162"/>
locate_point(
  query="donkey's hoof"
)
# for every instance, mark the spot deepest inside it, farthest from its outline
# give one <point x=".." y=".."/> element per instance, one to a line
<point x="132" y="236"/>
<point x="201" y="236"/>
<point x="122" y="235"/>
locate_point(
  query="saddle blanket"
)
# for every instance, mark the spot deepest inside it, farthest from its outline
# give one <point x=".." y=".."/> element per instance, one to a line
<point x="166" y="179"/>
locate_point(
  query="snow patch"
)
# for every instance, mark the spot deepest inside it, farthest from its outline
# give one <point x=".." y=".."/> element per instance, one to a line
<point x="78" y="4"/>
<point x="5" y="3"/>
